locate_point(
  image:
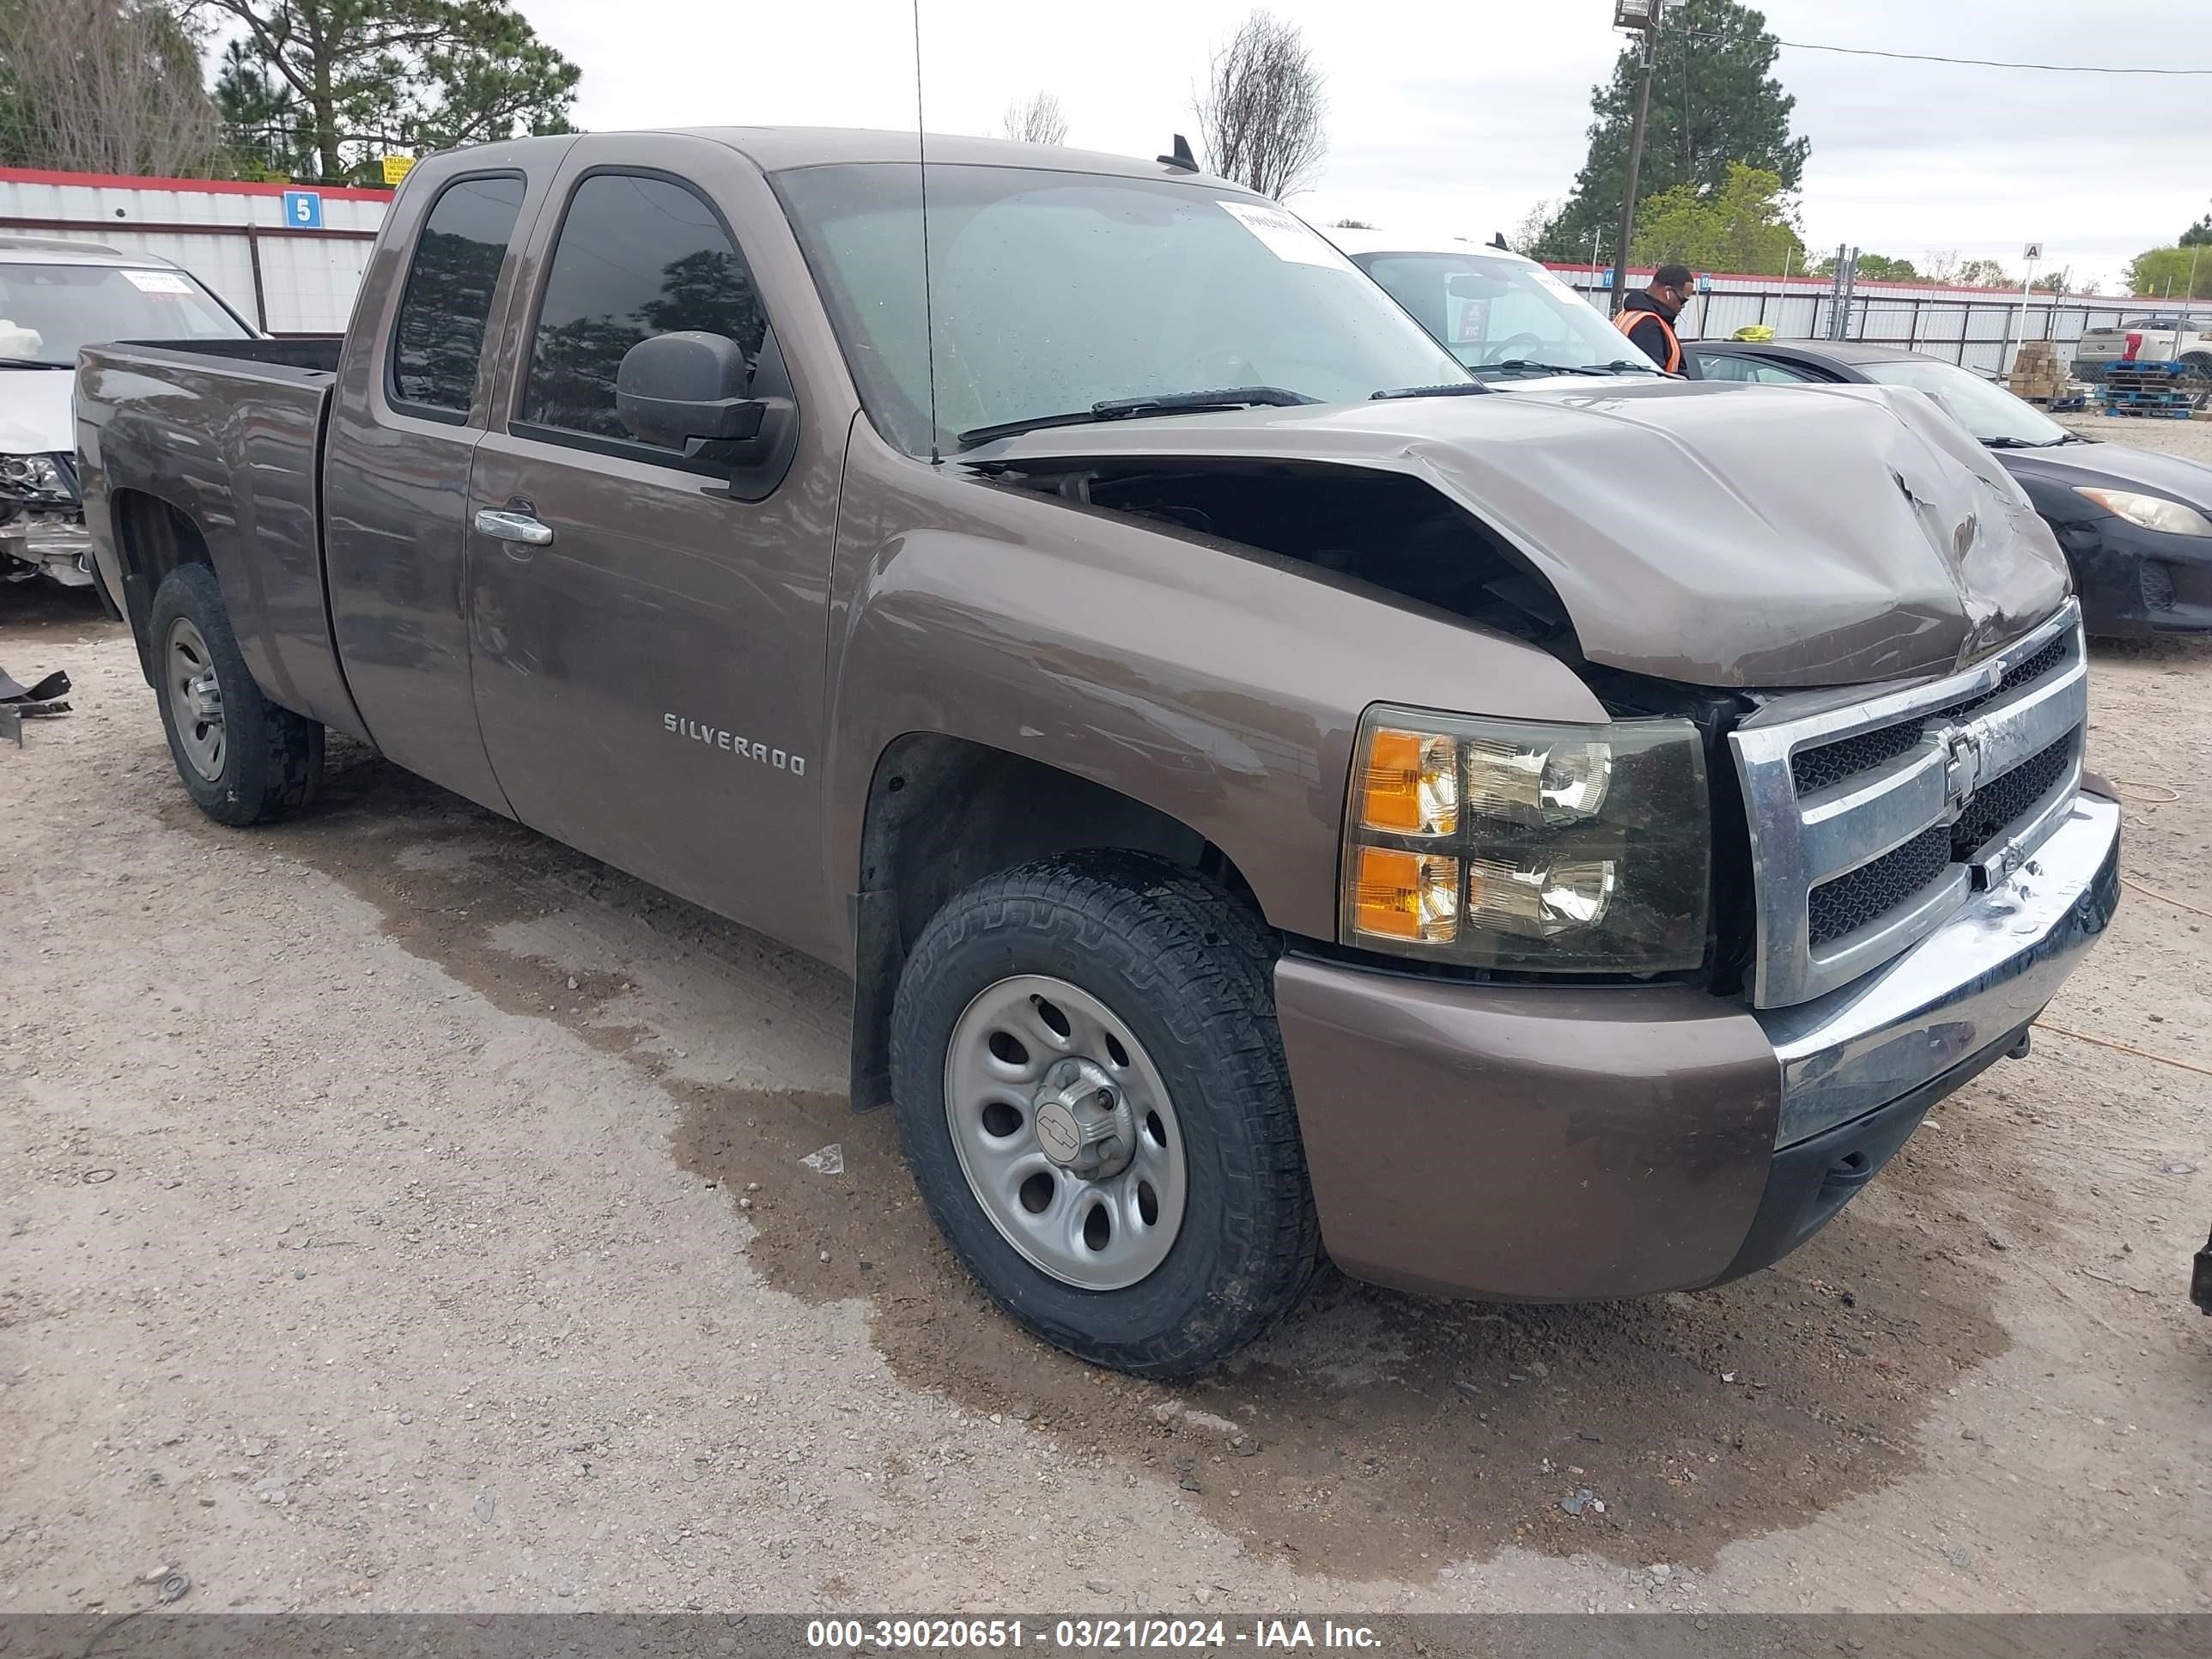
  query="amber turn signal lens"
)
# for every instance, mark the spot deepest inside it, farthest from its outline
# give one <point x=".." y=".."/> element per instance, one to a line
<point x="1412" y="784"/>
<point x="1406" y="896"/>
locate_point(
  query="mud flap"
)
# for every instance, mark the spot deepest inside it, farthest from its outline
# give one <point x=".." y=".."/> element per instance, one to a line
<point x="877" y="959"/>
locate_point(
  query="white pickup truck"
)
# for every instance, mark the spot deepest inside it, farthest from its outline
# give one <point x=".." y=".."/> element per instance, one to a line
<point x="2156" y="339"/>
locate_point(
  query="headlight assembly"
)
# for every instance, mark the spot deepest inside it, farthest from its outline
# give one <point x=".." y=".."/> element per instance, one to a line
<point x="2151" y="512"/>
<point x="35" y="478"/>
<point x="1535" y="847"/>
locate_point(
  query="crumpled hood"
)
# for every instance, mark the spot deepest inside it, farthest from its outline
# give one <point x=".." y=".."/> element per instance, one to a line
<point x="35" y="417"/>
<point x="1713" y="534"/>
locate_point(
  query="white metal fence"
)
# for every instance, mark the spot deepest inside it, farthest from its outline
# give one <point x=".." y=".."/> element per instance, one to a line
<point x="289" y="258"/>
<point x="1968" y="326"/>
<point x="292" y="275"/>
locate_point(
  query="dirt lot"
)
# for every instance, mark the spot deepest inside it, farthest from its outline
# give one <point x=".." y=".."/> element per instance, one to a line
<point x="399" y="1211"/>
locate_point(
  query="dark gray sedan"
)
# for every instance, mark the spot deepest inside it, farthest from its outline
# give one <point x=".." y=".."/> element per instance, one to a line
<point x="2137" y="526"/>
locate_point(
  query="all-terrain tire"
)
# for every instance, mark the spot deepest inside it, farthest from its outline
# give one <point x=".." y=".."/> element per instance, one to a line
<point x="1188" y="971"/>
<point x="271" y="759"/>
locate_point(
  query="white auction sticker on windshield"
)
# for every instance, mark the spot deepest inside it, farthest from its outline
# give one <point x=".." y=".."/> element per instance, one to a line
<point x="1286" y="235"/>
<point x="157" y="282"/>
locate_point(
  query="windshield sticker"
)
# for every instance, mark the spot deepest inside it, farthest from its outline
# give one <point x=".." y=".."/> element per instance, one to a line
<point x="157" y="282"/>
<point x="1546" y="280"/>
<point x="1286" y="236"/>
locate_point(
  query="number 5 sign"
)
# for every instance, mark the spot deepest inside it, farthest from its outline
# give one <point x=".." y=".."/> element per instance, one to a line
<point x="303" y="210"/>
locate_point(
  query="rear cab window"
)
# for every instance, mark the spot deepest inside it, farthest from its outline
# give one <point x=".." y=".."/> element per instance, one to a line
<point x="638" y="255"/>
<point x="437" y="339"/>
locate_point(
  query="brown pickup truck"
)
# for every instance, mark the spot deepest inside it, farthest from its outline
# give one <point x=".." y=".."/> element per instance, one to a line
<point x="1272" y="795"/>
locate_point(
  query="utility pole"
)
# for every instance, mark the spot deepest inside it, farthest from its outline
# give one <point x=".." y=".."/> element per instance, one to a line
<point x="1640" y="17"/>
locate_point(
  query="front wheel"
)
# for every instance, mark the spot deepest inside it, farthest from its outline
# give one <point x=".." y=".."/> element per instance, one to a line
<point x="242" y="759"/>
<point x="1090" y="1090"/>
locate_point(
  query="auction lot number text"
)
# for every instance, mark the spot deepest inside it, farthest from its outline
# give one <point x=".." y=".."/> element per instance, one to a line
<point x="883" y="1634"/>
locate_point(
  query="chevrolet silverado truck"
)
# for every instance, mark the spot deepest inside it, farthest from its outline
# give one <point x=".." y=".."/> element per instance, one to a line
<point x="1271" y="794"/>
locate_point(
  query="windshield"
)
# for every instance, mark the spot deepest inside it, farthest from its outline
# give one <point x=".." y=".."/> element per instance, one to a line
<point x="1489" y="311"/>
<point x="47" y="312"/>
<point x="1054" y="291"/>
<point x="1990" y="412"/>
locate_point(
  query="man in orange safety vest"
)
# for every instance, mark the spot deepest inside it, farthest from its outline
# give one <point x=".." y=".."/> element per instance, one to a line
<point x="1647" y="316"/>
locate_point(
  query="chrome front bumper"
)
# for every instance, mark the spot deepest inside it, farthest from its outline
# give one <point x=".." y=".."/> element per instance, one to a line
<point x="1980" y="976"/>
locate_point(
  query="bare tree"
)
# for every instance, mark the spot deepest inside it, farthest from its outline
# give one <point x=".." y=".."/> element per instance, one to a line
<point x="1261" y="113"/>
<point x="104" y="86"/>
<point x="1036" y="120"/>
<point x="1536" y="225"/>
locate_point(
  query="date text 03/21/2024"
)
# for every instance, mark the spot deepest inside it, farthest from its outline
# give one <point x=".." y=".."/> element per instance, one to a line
<point x="897" y="1634"/>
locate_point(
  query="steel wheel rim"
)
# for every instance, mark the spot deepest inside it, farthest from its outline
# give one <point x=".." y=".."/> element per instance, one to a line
<point x="195" y="698"/>
<point x="1096" y="1234"/>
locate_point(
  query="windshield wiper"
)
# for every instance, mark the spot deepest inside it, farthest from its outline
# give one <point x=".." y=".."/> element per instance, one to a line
<point x="1527" y="366"/>
<point x="31" y="362"/>
<point x="1531" y="366"/>
<point x="1449" y="389"/>
<point x="1161" y="402"/>
<point x="2008" y="442"/>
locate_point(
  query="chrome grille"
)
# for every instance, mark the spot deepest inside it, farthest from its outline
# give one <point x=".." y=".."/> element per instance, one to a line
<point x="1872" y="890"/>
<point x="1814" y="770"/>
<point x="2010" y="798"/>
<point x="1872" y="821"/>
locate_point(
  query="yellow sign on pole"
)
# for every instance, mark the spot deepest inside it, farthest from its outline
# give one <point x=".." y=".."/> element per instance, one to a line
<point x="397" y="167"/>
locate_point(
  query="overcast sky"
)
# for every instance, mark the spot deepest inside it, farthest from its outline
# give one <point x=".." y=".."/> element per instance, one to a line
<point x="1460" y="115"/>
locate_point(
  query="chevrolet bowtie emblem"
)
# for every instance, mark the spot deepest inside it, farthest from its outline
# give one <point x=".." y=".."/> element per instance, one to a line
<point x="1962" y="770"/>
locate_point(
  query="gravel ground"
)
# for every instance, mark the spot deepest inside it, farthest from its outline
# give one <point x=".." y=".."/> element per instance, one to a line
<point x="399" y="1211"/>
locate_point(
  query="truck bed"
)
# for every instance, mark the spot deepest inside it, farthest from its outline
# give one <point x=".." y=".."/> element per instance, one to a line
<point x="228" y="432"/>
<point x="310" y="351"/>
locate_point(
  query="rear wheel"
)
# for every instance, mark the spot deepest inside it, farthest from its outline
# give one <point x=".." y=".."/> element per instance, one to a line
<point x="242" y="759"/>
<point x="1090" y="1090"/>
<point x="2199" y="364"/>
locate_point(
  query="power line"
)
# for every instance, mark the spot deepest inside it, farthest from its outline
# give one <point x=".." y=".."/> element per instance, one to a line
<point x="1987" y="63"/>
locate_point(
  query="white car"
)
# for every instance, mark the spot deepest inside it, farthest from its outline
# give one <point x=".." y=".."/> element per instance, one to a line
<point x="56" y="296"/>
<point x="1505" y="317"/>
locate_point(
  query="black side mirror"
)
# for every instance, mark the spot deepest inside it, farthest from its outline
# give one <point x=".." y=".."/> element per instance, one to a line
<point x="675" y="388"/>
<point x="694" y="391"/>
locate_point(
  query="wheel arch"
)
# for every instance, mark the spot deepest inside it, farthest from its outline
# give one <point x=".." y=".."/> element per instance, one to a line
<point x="944" y="812"/>
<point x="153" y="537"/>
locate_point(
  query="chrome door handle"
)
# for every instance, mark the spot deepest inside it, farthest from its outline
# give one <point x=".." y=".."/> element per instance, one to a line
<point x="514" y="527"/>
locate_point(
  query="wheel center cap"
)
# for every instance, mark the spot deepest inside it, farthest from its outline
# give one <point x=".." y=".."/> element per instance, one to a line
<point x="207" y="697"/>
<point x="1083" y="1121"/>
<point x="1059" y="1134"/>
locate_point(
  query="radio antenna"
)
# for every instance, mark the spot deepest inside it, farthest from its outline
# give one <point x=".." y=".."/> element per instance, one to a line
<point x="922" y="169"/>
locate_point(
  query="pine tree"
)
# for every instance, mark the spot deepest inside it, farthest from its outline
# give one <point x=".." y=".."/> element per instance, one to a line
<point x="373" y="76"/>
<point x="1714" y="101"/>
